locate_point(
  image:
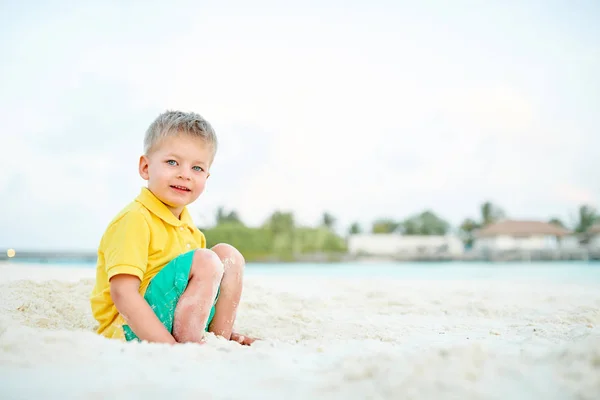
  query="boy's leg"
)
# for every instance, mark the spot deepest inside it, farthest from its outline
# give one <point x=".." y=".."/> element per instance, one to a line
<point x="194" y="306"/>
<point x="181" y="276"/>
<point x="230" y="291"/>
<point x="183" y="294"/>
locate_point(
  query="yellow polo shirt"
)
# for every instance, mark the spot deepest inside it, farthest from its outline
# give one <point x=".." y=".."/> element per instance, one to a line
<point x="139" y="241"/>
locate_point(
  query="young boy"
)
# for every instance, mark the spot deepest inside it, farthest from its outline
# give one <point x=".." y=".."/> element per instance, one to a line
<point x="155" y="279"/>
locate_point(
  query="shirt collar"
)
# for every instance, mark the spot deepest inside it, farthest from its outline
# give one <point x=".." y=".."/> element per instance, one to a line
<point x="158" y="208"/>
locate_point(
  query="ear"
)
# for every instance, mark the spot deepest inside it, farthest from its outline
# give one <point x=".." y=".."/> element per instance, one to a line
<point x="143" y="168"/>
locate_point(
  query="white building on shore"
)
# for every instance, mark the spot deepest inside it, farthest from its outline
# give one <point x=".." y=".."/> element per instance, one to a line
<point x="523" y="235"/>
<point x="404" y="246"/>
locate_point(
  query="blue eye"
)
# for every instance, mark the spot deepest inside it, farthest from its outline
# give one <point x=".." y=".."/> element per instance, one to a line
<point x="171" y="162"/>
<point x="197" y="168"/>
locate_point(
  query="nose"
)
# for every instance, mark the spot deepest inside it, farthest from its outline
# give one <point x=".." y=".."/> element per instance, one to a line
<point x="184" y="174"/>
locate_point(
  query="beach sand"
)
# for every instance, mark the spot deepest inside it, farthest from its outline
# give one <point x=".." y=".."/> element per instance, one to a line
<point x="323" y="338"/>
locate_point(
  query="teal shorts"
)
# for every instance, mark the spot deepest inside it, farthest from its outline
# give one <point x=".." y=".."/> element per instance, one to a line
<point x="165" y="289"/>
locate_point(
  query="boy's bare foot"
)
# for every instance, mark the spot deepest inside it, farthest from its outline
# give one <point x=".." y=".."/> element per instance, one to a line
<point x="241" y="339"/>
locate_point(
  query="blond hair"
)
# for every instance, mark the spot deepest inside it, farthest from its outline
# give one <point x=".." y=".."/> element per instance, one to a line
<point x="172" y="123"/>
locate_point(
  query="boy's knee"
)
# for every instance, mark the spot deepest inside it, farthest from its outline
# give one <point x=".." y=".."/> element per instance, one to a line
<point x="229" y="255"/>
<point x="207" y="262"/>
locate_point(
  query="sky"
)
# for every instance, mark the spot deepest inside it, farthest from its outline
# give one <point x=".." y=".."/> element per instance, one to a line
<point x="366" y="110"/>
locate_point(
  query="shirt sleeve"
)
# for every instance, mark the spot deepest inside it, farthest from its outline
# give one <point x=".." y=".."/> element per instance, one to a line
<point x="126" y="246"/>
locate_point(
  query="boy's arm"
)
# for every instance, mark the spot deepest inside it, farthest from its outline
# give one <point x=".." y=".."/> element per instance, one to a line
<point x="124" y="290"/>
<point x="125" y="247"/>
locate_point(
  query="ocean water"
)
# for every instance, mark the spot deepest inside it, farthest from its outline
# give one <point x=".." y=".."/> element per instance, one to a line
<point x="568" y="271"/>
<point x="549" y="271"/>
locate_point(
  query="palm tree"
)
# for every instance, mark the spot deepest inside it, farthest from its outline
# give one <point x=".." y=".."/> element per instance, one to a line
<point x="490" y="213"/>
<point x="355" y="229"/>
<point x="328" y="220"/>
<point x="223" y="217"/>
<point x="385" y="225"/>
<point x="280" y="222"/>
<point x="467" y="229"/>
<point x="587" y="217"/>
<point x="557" y="222"/>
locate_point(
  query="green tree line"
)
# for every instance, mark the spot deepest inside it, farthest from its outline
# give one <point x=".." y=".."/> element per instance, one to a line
<point x="429" y="223"/>
<point x="280" y="238"/>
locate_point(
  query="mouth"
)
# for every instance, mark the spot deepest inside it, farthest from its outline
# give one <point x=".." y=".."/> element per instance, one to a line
<point x="181" y="189"/>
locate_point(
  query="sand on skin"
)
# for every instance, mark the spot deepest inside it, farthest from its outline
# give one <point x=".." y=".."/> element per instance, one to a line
<point x="324" y="338"/>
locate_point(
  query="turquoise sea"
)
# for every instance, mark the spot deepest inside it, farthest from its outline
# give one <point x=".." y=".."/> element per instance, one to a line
<point x="571" y="271"/>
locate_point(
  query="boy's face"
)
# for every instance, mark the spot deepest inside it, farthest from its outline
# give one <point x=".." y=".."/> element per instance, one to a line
<point x="176" y="170"/>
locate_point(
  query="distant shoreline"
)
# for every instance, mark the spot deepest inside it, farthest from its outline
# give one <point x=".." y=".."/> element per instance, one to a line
<point x="504" y="256"/>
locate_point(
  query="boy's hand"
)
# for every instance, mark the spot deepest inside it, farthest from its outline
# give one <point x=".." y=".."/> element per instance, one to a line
<point x="124" y="290"/>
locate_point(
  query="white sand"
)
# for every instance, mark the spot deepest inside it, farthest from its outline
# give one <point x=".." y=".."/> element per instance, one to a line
<point x="325" y="338"/>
